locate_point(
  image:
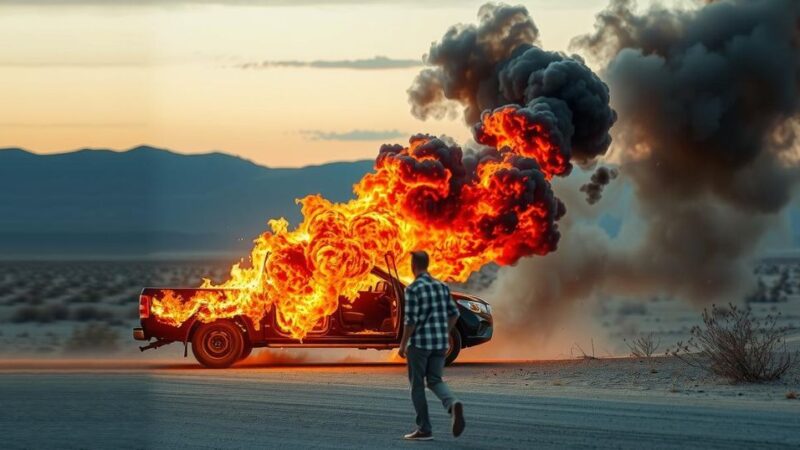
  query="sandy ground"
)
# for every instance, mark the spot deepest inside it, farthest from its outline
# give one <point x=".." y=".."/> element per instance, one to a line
<point x="620" y="403"/>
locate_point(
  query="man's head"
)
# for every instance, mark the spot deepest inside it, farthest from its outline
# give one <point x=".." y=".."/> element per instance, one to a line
<point x="419" y="262"/>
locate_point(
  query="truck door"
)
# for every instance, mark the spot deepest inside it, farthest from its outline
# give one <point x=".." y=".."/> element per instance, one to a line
<point x="397" y="313"/>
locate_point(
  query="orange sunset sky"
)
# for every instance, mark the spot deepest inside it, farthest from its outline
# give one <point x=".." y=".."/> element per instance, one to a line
<point x="178" y="74"/>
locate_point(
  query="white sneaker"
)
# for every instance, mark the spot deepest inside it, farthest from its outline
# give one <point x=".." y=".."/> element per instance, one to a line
<point x="418" y="435"/>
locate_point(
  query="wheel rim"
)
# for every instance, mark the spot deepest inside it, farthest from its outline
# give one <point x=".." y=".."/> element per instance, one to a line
<point x="218" y="343"/>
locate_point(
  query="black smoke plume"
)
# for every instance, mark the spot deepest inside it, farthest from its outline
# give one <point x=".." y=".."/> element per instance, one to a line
<point x="495" y="63"/>
<point x="708" y="102"/>
<point x="594" y="188"/>
<point x="708" y="98"/>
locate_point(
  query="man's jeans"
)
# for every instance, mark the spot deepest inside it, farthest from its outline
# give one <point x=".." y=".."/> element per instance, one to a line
<point x="427" y="365"/>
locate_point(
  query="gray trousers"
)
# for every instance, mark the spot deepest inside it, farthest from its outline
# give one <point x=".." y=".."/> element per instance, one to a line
<point x="427" y="366"/>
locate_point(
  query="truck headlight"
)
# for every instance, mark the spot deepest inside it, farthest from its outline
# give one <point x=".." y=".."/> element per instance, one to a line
<point x="476" y="307"/>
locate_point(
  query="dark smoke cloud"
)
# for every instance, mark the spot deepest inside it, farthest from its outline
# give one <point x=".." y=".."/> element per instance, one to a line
<point x="702" y="92"/>
<point x="708" y="102"/>
<point x="709" y="105"/>
<point x="594" y="188"/>
<point x="702" y="95"/>
<point x="493" y="64"/>
<point x="467" y="57"/>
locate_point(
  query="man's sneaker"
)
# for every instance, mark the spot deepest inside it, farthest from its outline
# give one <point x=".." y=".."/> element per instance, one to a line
<point x="419" y="435"/>
<point x="457" y="414"/>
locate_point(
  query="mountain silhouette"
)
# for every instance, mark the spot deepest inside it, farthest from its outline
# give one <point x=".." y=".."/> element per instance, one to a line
<point x="147" y="201"/>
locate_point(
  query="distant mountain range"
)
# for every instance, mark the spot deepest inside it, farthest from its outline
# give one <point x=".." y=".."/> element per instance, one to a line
<point x="148" y="201"/>
<point x="153" y="203"/>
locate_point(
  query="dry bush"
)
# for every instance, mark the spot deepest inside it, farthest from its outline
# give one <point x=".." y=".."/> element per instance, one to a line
<point x="90" y="313"/>
<point x="643" y="346"/>
<point x="632" y="309"/>
<point x="91" y="337"/>
<point x="733" y="344"/>
<point x="40" y="314"/>
<point x="583" y="355"/>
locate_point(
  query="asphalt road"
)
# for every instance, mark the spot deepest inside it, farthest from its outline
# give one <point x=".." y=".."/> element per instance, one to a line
<point x="349" y="406"/>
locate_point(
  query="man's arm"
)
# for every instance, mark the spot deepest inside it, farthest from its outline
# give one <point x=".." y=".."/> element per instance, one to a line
<point x="408" y="331"/>
<point x="410" y="320"/>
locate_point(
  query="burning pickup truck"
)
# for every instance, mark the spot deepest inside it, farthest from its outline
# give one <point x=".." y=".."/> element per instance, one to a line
<point x="373" y="320"/>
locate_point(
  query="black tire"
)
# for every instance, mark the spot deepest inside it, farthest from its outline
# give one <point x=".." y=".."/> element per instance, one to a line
<point x="218" y="344"/>
<point x="455" y="347"/>
<point x="248" y="348"/>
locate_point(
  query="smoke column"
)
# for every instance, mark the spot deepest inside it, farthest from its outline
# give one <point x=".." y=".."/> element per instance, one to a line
<point x="708" y="103"/>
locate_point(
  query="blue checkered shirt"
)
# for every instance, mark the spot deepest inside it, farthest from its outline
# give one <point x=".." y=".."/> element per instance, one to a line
<point x="428" y="306"/>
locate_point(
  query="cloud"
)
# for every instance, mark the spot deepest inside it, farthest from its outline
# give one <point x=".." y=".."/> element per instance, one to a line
<point x="74" y="64"/>
<point x="375" y="63"/>
<point x="70" y="124"/>
<point x="353" y="135"/>
<point x="205" y="2"/>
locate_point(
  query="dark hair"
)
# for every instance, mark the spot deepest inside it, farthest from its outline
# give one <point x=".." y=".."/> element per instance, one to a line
<point x="420" y="260"/>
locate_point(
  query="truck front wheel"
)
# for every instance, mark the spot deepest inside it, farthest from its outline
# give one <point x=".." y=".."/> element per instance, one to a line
<point x="218" y="344"/>
<point x="454" y="347"/>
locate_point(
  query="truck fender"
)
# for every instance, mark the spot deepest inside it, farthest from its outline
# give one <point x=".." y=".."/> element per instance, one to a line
<point x="191" y="325"/>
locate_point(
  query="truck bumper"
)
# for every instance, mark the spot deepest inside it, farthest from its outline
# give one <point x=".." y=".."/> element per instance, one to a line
<point x="138" y="334"/>
<point x="475" y="328"/>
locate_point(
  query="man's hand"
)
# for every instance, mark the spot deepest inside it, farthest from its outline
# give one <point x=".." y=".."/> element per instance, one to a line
<point x="408" y="331"/>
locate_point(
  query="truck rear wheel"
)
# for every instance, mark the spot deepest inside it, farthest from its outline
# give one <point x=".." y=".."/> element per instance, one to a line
<point x="455" y="347"/>
<point x="218" y="344"/>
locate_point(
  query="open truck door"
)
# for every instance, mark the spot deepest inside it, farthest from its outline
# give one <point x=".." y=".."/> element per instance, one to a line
<point x="397" y="313"/>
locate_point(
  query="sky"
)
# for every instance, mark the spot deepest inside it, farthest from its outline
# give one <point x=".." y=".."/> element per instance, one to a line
<point x="281" y="83"/>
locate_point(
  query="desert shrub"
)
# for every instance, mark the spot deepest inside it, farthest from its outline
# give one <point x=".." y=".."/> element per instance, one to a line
<point x="91" y="296"/>
<point x="777" y="293"/>
<point x="59" y="312"/>
<point x="132" y="313"/>
<point x="40" y="314"/>
<point x="643" y="346"/>
<point x="115" y="322"/>
<point x="87" y="313"/>
<point x="733" y="344"/>
<point x="92" y="336"/>
<point x="26" y="314"/>
<point x="74" y="298"/>
<point x="632" y="309"/>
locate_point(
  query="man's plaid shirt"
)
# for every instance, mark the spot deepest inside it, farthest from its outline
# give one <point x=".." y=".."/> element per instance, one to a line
<point x="428" y="306"/>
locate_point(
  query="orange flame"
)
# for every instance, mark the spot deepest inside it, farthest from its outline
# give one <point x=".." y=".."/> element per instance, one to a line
<point x="466" y="211"/>
<point x="510" y="126"/>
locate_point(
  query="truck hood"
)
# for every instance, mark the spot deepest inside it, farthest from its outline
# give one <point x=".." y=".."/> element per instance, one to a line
<point x="463" y="296"/>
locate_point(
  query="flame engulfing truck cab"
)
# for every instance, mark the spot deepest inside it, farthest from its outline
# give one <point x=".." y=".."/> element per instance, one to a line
<point x="374" y="319"/>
